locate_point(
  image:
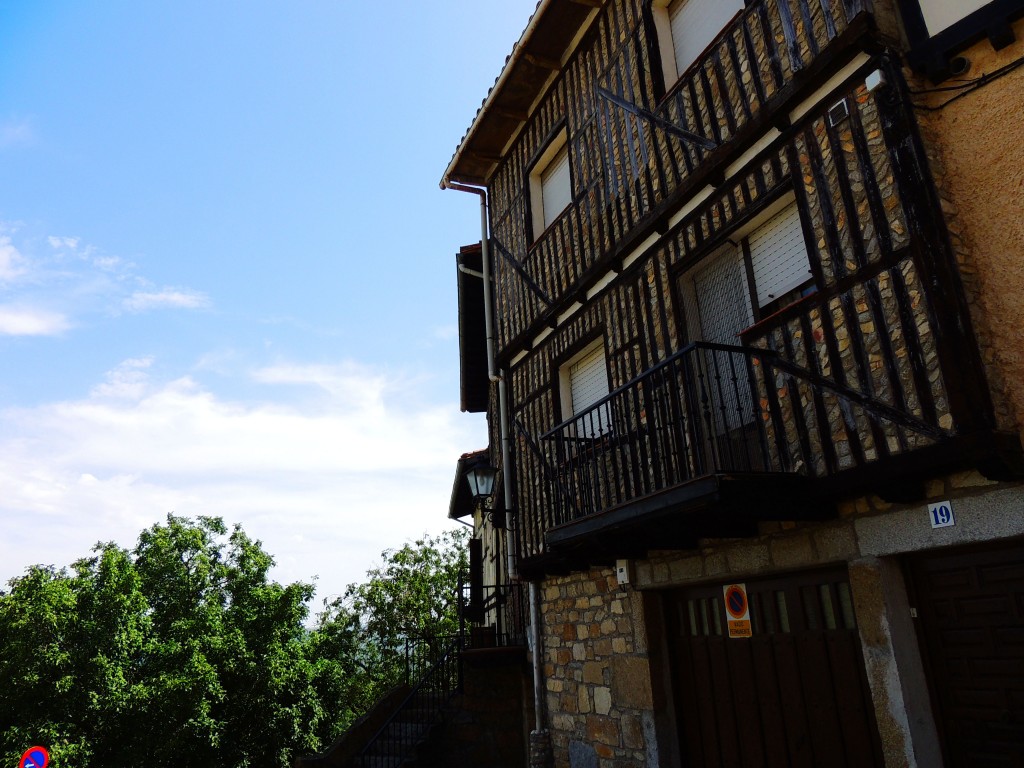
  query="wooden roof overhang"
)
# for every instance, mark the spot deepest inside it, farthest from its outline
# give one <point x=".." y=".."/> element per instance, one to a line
<point x="533" y="64"/>
<point x="461" y="503"/>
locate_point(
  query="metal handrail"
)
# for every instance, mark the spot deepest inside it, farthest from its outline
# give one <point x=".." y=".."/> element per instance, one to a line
<point x="503" y="604"/>
<point x="712" y="408"/>
<point x="399" y="736"/>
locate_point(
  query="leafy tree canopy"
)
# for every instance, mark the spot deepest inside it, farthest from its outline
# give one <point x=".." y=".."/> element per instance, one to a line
<point x="183" y="652"/>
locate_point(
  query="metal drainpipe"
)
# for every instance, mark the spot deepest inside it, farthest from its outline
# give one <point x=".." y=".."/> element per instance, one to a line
<point x="493" y="374"/>
<point x="506" y="463"/>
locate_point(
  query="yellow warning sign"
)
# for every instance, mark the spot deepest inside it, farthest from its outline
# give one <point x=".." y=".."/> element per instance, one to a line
<point x="737" y="610"/>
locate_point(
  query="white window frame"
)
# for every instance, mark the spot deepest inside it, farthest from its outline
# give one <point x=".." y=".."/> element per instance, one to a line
<point x="661" y="11"/>
<point x="940" y="15"/>
<point x="569" y="409"/>
<point x="544" y="163"/>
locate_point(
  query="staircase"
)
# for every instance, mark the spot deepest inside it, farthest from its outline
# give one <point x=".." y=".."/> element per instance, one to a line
<point x="395" y="744"/>
<point x="435" y="675"/>
<point x="423" y="722"/>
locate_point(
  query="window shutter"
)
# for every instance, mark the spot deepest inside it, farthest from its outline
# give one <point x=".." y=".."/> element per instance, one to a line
<point x="695" y="23"/>
<point x="779" y="256"/>
<point x="718" y="306"/>
<point x="588" y="380"/>
<point x="588" y="383"/>
<point x="556" y="192"/>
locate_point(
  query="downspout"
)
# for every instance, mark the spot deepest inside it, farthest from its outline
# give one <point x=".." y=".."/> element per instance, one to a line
<point x="540" y="737"/>
<point x="492" y="373"/>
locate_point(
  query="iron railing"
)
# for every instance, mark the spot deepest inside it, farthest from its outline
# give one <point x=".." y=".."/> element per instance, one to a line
<point x="716" y="408"/>
<point x="493" y="615"/>
<point x="434" y="675"/>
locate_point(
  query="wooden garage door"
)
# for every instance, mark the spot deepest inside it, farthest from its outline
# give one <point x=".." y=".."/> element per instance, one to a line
<point x="970" y="608"/>
<point x="793" y="694"/>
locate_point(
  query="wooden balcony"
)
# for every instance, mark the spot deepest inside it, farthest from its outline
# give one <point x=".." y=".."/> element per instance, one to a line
<point x="718" y="438"/>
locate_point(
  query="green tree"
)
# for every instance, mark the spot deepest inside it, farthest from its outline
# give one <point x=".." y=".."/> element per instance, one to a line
<point x="410" y="598"/>
<point x="183" y="652"/>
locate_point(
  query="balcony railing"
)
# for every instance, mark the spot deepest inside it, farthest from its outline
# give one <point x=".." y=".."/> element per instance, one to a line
<point x="719" y="409"/>
<point x="433" y="675"/>
<point x="492" y="615"/>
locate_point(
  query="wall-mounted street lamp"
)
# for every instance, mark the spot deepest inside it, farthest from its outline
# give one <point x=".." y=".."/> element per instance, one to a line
<point x="481" y="483"/>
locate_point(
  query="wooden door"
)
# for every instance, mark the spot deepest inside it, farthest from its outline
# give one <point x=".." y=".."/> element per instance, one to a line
<point x="970" y="606"/>
<point x="794" y="694"/>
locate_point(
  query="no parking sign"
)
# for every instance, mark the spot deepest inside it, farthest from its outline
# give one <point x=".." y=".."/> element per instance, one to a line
<point x="35" y="757"/>
<point x="737" y="610"/>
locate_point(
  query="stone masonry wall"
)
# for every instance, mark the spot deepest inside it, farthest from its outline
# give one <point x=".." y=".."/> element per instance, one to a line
<point x="596" y="669"/>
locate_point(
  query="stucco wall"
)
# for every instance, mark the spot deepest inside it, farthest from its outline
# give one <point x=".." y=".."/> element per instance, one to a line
<point x="979" y="140"/>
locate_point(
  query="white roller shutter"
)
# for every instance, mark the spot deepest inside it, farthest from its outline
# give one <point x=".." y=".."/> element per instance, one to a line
<point x="695" y="23"/>
<point x="779" y="256"/>
<point x="556" y="190"/>
<point x="717" y="305"/>
<point x="588" y="380"/>
<point x="588" y="383"/>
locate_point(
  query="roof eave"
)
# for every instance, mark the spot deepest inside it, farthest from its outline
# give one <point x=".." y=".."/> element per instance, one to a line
<point x="529" y="68"/>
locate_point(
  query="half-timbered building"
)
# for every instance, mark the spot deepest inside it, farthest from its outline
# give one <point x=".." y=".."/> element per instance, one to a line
<point x="744" y="317"/>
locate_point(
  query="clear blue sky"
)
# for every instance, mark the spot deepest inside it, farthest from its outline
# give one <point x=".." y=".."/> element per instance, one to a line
<point x="226" y="270"/>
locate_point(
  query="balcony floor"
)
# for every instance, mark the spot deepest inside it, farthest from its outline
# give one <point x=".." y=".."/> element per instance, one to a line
<point x="716" y="505"/>
<point x="731" y="505"/>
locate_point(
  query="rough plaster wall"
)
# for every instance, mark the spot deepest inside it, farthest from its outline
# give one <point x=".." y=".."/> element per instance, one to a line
<point x="980" y="139"/>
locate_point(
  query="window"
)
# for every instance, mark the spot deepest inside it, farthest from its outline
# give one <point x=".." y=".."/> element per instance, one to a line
<point x="685" y="29"/>
<point x="942" y="14"/>
<point x="778" y="258"/>
<point x="550" y="184"/>
<point x="584" y="381"/>
<point x="938" y="30"/>
<point x="719" y="301"/>
<point x="718" y="298"/>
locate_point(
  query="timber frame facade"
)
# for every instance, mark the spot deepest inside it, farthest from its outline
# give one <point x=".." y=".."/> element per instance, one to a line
<point x="793" y="440"/>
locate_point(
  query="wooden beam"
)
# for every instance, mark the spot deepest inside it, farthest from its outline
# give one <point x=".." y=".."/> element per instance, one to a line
<point x="588" y="3"/>
<point x="487" y="157"/>
<point x="543" y="62"/>
<point x="512" y="114"/>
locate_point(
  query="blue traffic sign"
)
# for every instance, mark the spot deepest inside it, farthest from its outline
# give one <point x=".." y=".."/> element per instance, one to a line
<point x="35" y="757"/>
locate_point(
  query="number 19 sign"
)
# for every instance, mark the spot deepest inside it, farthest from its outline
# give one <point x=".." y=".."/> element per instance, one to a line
<point x="941" y="514"/>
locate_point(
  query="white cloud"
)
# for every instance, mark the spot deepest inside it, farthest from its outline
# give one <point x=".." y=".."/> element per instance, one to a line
<point x="446" y="332"/>
<point x="127" y="381"/>
<point x="70" y="243"/>
<point x="25" y="321"/>
<point x="168" y="298"/>
<point x="15" y="133"/>
<point x="326" y="486"/>
<point x="108" y="263"/>
<point x="12" y="263"/>
<point x="76" y="280"/>
<point x="349" y="382"/>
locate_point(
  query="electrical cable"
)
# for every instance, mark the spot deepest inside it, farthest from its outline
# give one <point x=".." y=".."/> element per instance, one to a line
<point x="967" y="87"/>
